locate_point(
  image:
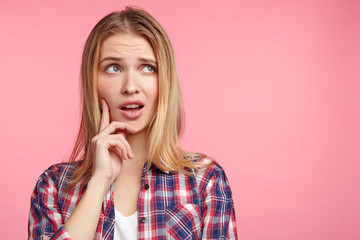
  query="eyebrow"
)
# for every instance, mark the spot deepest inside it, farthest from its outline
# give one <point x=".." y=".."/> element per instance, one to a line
<point x="110" y="59"/>
<point x="142" y="59"/>
<point x="148" y="60"/>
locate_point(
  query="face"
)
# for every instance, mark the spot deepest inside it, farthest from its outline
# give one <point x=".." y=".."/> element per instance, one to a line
<point x="128" y="79"/>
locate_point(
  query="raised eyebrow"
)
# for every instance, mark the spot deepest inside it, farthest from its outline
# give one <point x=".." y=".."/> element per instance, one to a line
<point x="148" y="60"/>
<point x="110" y="59"/>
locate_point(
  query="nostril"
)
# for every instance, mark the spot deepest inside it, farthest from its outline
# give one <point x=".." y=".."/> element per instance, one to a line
<point x="130" y="90"/>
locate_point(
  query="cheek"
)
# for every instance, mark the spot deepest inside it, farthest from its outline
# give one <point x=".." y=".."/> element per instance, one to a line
<point x="104" y="91"/>
<point x="155" y="91"/>
<point x="151" y="90"/>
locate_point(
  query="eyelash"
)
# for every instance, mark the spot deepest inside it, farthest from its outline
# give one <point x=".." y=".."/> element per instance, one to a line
<point x="148" y="65"/>
<point x="144" y="66"/>
<point x="111" y="66"/>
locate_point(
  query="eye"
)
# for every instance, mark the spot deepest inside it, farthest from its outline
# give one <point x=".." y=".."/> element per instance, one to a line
<point x="112" y="69"/>
<point x="148" y="69"/>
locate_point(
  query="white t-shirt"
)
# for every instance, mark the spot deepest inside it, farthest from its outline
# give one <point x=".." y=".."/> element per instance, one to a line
<point x="126" y="227"/>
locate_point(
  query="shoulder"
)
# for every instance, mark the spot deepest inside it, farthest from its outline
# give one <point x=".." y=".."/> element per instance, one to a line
<point x="208" y="168"/>
<point x="211" y="177"/>
<point x="59" y="173"/>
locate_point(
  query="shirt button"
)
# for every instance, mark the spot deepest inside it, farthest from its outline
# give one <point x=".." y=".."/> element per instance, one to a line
<point x="147" y="186"/>
<point x="143" y="220"/>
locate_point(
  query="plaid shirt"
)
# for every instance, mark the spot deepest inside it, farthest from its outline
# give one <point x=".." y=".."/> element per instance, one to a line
<point x="170" y="206"/>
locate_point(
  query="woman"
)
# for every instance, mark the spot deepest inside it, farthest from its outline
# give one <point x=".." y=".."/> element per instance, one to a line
<point x="134" y="182"/>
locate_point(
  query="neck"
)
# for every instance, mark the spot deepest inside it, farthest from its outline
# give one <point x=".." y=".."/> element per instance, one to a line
<point x="138" y="144"/>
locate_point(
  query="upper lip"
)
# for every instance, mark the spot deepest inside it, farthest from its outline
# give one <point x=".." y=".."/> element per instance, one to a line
<point x="128" y="102"/>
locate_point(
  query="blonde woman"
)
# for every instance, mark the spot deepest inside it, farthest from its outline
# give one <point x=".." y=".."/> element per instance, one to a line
<point x="127" y="177"/>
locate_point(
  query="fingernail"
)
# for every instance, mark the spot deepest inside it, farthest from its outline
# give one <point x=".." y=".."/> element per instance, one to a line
<point x="132" y="156"/>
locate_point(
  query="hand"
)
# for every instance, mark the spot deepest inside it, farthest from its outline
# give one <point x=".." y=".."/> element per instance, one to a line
<point x="110" y="147"/>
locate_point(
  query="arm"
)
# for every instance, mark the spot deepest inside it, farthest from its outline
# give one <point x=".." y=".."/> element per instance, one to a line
<point x="45" y="218"/>
<point x="218" y="207"/>
<point x="110" y="149"/>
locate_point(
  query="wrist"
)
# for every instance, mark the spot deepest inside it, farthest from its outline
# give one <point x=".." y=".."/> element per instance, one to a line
<point x="99" y="184"/>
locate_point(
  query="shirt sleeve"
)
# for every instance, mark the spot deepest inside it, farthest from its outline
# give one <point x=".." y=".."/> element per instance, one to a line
<point x="218" y="208"/>
<point x="45" y="219"/>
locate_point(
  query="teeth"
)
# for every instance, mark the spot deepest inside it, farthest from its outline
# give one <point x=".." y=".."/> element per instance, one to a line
<point x="132" y="106"/>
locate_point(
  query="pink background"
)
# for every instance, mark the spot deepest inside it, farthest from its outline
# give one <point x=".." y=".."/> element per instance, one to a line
<point x="271" y="91"/>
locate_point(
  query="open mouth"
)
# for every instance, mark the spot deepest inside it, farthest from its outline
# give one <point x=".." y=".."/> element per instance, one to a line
<point x="132" y="107"/>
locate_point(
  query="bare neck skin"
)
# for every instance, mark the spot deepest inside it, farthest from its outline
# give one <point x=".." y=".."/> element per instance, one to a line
<point x="138" y="143"/>
<point x="127" y="185"/>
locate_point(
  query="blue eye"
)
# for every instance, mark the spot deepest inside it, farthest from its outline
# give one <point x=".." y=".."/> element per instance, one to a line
<point x="112" y="69"/>
<point x="148" y="69"/>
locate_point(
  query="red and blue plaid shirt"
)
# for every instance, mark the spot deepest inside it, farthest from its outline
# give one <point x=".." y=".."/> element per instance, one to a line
<point x="171" y="205"/>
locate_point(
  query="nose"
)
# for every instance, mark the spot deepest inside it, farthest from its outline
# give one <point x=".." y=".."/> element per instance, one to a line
<point x="129" y="85"/>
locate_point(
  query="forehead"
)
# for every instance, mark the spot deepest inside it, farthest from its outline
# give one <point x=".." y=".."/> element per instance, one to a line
<point x="126" y="44"/>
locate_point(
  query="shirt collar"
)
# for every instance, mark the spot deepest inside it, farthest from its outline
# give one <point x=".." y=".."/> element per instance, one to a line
<point x="153" y="166"/>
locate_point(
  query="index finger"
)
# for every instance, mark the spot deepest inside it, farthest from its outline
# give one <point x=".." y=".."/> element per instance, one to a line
<point x="105" y="117"/>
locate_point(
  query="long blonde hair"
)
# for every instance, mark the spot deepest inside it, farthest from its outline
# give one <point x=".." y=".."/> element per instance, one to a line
<point x="166" y="126"/>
